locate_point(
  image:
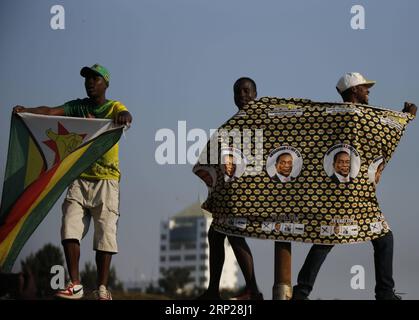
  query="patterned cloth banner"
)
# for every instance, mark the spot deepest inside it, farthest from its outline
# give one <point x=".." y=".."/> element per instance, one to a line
<point x="45" y="155"/>
<point x="299" y="170"/>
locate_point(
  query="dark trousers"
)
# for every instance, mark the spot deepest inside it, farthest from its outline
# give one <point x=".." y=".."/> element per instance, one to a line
<point x="383" y="263"/>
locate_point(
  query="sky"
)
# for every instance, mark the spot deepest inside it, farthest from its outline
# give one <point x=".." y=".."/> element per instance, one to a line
<point x="177" y="60"/>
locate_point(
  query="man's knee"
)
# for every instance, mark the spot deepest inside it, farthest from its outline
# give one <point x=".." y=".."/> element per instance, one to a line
<point x="70" y="242"/>
<point x="237" y="241"/>
<point x="385" y="241"/>
<point x="215" y="236"/>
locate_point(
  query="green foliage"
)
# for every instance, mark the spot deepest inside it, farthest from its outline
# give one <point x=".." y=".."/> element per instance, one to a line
<point x="151" y="289"/>
<point x="40" y="265"/>
<point x="88" y="278"/>
<point x="174" y="280"/>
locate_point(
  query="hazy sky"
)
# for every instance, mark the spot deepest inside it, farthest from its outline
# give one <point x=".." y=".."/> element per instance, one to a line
<point x="177" y="60"/>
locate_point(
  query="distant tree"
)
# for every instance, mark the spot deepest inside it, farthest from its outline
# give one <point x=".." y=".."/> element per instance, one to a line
<point x="40" y="263"/>
<point x="174" y="280"/>
<point x="151" y="289"/>
<point x="88" y="278"/>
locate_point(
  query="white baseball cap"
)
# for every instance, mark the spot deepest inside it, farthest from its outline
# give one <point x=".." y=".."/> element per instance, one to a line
<point x="352" y="79"/>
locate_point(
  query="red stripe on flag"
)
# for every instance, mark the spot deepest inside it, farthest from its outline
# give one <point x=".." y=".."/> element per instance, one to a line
<point x="25" y="201"/>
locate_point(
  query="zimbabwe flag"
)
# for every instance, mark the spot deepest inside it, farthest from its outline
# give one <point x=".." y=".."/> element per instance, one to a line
<point x="45" y="155"/>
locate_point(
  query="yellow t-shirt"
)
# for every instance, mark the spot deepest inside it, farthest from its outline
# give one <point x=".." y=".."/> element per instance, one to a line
<point x="107" y="166"/>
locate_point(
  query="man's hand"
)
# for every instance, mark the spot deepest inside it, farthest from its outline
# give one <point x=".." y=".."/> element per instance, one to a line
<point x="124" y="117"/>
<point x="205" y="176"/>
<point x="18" y="109"/>
<point x="410" y="108"/>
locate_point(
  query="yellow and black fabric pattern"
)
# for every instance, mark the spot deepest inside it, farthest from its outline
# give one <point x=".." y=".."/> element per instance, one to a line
<point x="298" y="170"/>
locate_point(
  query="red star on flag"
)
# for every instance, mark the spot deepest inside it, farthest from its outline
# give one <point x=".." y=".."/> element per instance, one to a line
<point x="63" y="142"/>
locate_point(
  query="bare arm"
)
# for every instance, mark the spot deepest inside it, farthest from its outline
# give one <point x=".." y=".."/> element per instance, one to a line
<point x="55" y="111"/>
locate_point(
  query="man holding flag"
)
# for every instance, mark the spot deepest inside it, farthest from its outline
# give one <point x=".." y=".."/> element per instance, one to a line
<point x="354" y="88"/>
<point x="95" y="193"/>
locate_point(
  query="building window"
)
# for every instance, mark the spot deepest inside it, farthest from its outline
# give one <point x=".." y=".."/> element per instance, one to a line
<point x="174" y="258"/>
<point x="190" y="257"/>
<point x="162" y="248"/>
<point x="191" y="268"/>
<point x="162" y="269"/>
<point x="203" y="267"/>
<point x="190" y="246"/>
<point x="163" y="237"/>
<point x="203" y="234"/>
<point x="204" y="245"/>
<point x="175" y="246"/>
<point x="162" y="259"/>
<point x="203" y="257"/>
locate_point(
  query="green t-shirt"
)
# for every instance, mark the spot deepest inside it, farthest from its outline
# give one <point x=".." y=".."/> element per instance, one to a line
<point x="107" y="166"/>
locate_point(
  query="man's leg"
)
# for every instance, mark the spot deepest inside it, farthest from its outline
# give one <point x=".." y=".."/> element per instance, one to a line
<point x="105" y="213"/>
<point x="72" y="230"/>
<point x="103" y="263"/>
<point x="245" y="259"/>
<point x="308" y="273"/>
<point x="216" y="262"/>
<point x="72" y="258"/>
<point x="75" y="224"/>
<point x="383" y="263"/>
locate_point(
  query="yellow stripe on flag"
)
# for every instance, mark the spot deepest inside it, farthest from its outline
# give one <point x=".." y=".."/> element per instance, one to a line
<point x="35" y="163"/>
<point x="63" y="168"/>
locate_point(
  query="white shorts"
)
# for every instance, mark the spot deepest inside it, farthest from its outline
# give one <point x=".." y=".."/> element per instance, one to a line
<point x="97" y="199"/>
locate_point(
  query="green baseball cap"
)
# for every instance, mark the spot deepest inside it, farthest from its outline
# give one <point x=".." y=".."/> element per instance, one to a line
<point x="97" y="69"/>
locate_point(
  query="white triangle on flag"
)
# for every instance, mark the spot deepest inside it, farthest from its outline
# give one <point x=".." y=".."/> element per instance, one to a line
<point x="58" y="136"/>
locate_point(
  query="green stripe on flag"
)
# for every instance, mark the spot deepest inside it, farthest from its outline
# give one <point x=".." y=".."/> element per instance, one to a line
<point x="15" y="173"/>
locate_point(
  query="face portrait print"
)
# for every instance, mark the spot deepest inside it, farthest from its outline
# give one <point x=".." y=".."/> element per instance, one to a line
<point x="284" y="164"/>
<point x="342" y="163"/>
<point x="233" y="164"/>
<point x="336" y="229"/>
<point x="375" y="170"/>
<point x="229" y="165"/>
